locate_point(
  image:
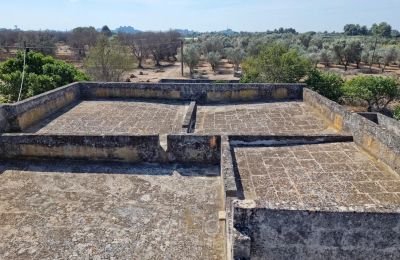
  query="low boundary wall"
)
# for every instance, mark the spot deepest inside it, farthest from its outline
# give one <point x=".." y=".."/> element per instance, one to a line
<point x="381" y="142"/>
<point x="21" y="115"/>
<point x="263" y="233"/>
<point x="202" y="93"/>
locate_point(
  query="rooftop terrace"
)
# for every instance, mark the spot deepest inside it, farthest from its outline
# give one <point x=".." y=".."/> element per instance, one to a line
<point x="199" y="171"/>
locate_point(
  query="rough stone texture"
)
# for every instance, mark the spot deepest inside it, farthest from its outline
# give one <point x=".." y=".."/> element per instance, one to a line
<point x="82" y="211"/>
<point x="24" y="114"/>
<point x="260" y="118"/>
<point x="290" y="234"/>
<point x="385" y="122"/>
<point x="197" y="81"/>
<point x="382" y="143"/>
<point x="194" y="149"/>
<point x="134" y="149"/>
<point x="337" y="176"/>
<point x="202" y="93"/>
<point x="388" y="123"/>
<point x="4" y="125"/>
<point x="189" y="121"/>
<point x="116" y="117"/>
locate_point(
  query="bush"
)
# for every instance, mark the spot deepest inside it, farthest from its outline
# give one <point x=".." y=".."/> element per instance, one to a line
<point x="42" y="73"/>
<point x="275" y="63"/>
<point x="378" y="92"/>
<point x="327" y="84"/>
<point x="396" y="113"/>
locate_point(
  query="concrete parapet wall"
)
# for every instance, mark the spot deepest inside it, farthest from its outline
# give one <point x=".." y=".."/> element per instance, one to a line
<point x="24" y="114"/>
<point x="194" y="148"/>
<point x="381" y="142"/>
<point x="296" y="234"/>
<point x="4" y="125"/>
<point x="131" y="149"/>
<point x="202" y="93"/>
<point x="197" y="81"/>
<point x="389" y="123"/>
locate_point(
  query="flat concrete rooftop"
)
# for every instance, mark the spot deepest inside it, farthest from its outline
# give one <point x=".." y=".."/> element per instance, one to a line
<point x="244" y="171"/>
<point x="115" y="117"/>
<point x="109" y="211"/>
<point x="335" y="176"/>
<point x="260" y="118"/>
<point x="165" y="117"/>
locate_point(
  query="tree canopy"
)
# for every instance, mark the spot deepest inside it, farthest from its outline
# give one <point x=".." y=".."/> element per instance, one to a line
<point x="42" y="73"/>
<point x="275" y="63"/>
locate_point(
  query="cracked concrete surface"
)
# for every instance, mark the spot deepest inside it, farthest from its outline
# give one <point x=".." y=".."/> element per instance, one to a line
<point x="115" y="117"/>
<point x="65" y="210"/>
<point x="316" y="176"/>
<point x="260" y="118"/>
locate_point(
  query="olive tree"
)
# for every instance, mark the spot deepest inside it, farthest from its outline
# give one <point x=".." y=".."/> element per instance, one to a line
<point x="214" y="58"/>
<point x="235" y="56"/>
<point x="191" y="57"/>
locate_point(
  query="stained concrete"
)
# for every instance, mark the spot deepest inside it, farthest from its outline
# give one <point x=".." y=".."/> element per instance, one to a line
<point x="260" y="118"/>
<point x="115" y="117"/>
<point x="334" y="176"/>
<point x="70" y="210"/>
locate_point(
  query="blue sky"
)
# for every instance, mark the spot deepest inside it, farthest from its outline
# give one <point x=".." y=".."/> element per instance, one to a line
<point x="201" y="15"/>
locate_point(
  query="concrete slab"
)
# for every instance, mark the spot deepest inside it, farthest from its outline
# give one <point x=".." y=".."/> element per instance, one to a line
<point x="115" y="117"/>
<point x="260" y="118"/>
<point x="65" y="210"/>
<point x="336" y="176"/>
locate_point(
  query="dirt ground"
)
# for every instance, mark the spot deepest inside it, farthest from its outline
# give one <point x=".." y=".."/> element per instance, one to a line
<point x="172" y="70"/>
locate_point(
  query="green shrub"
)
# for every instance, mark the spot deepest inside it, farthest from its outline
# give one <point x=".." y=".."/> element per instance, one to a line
<point x="276" y="63"/>
<point x="396" y="113"/>
<point x="42" y="73"/>
<point x="327" y="84"/>
<point x="378" y="92"/>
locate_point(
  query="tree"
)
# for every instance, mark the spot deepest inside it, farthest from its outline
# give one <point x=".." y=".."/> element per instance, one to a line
<point x="106" y="31"/>
<point x="326" y="57"/>
<point x="352" y="53"/>
<point x="378" y="92"/>
<point x="325" y="83"/>
<point x="276" y="63"/>
<point x="383" y="29"/>
<point x="389" y="55"/>
<point x="137" y="44"/>
<point x="191" y="57"/>
<point x="305" y="39"/>
<point x="42" y="73"/>
<point x="347" y="52"/>
<point x="214" y="58"/>
<point x="81" y="37"/>
<point x="355" y="29"/>
<point x="235" y="56"/>
<point x="109" y="60"/>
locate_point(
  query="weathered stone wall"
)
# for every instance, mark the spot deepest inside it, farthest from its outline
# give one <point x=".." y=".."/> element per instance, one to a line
<point x="4" y="126"/>
<point x="24" y="114"/>
<point x="133" y="149"/>
<point x="389" y="123"/>
<point x="293" y="234"/>
<point x="382" y="143"/>
<point x="194" y="149"/>
<point x="197" y="81"/>
<point x="202" y="93"/>
<point x="384" y="121"/>
<point x="189" y="122"/>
